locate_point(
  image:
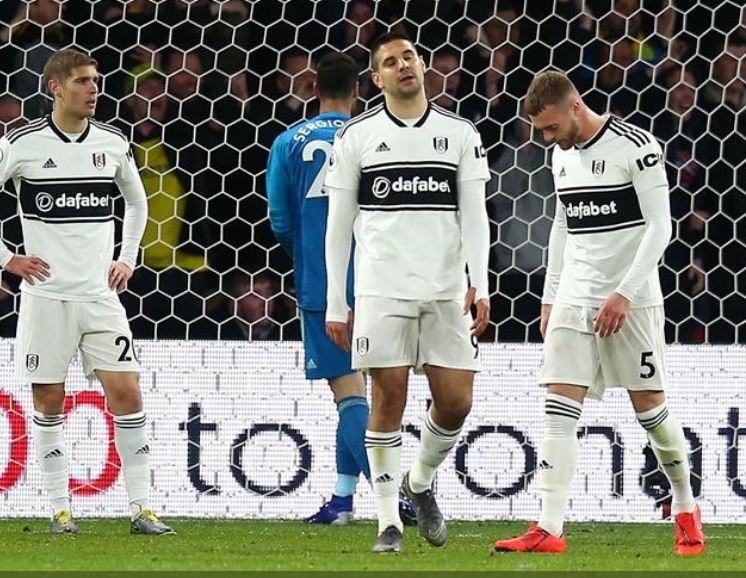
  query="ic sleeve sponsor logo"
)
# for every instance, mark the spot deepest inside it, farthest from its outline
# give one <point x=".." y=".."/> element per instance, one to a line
<point x="479" y="152"/>
<point x="649" y="160"/>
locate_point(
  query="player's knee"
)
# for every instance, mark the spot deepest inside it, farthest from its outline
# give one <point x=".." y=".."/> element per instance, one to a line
<point x="455" y="408"/>
<point x="48" y="399"/>
<point x="390" y="404"/>
<point x="460" y="408"/>
<point x="125" y="399"/>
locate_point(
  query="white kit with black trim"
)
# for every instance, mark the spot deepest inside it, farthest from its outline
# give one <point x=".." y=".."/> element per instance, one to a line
<point x="66" y="191"/>
<point x="408" y="177"/>
<point x="607" y="190"/>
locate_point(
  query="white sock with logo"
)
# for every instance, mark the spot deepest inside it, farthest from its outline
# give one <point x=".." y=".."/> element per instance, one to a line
<point x="558" y="459"/>
<point x="435" y="444"/>
<point x="384" y="457"/>
<point x="49" y="443"/>
<point x="669" y="446"/>
<point x="134" y="452"/>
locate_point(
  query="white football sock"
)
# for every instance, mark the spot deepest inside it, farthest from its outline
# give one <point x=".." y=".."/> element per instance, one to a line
<point x="49" y="442"/>
<point x="134" y="452"/>
<point x="435" y="444"/>
<point x="558" y="460"/>
<point x="384" y="456"/>
<point x="669" y="446"/>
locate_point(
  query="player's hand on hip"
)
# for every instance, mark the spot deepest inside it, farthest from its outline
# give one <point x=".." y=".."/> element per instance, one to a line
<point x="119" y="274"/>
<point x="546" y="310"/>
<point x="612" y="315"/>
<point x="28" y="268"/>
<point x="339" y="333"/>
<point x="482" y="318"/>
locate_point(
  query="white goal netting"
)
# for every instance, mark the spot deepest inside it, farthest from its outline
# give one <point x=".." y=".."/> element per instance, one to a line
<point x="204" y="87"/>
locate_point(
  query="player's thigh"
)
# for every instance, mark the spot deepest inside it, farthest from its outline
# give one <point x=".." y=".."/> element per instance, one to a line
<point x="445" y="338"/>
<point x="322" y="358"/>
<point x="106" y="342"/>
<point x="570" y="353"/>
<point x="385" y="333"/>
<point x="634" y="358"/>
<point x="46" y="339"/>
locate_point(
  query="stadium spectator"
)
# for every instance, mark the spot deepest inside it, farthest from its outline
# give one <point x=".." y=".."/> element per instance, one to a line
<point x="174" y="244"/>
<point x="520" y="205"/>
<point x="726" y="84"/>
<point x="443" y="78"/>
<point x="256" y="310"/>
<point x="10" y="113"/>
<point x="354" y="32"/>
<point x="292" y="87"/>
<point x="39" y="32"/>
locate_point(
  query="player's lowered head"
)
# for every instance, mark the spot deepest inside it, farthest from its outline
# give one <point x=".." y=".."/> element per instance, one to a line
<point x="400" y="73"/>
<point x="556" y="110"/>
<point x="336" y="84"/>
<point x="72" y="79"/>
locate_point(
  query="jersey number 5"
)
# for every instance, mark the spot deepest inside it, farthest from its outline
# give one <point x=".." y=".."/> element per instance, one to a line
<point x="645" y="363"/>
<point x="316" y="189"/>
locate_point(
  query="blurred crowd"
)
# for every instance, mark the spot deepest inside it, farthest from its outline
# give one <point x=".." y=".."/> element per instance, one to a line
<point x="203" y="88"/>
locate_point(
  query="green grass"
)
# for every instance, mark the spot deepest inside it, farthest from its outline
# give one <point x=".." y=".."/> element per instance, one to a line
<point x="254" y="545"/>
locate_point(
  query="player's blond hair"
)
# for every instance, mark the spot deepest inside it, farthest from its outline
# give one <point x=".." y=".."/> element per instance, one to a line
<point x="546" y="89"/>
<point x="61" y="64"/>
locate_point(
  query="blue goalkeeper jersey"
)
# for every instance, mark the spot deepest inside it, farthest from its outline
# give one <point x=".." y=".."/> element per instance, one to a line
<point x="298" y="203"/>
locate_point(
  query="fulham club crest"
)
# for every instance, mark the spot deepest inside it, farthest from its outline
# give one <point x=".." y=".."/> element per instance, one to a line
<point x="597" y="168"/>
<point x="362" y="345"/>
<point x="32" y="361"/>
<point x="99" y="160"/>
<point x="440" y="144"/>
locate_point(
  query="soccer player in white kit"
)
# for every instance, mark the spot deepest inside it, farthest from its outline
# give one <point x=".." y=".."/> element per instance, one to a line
<point x="66" y="169"/>
<point x="602" y="313"/>
<point x="409" y="178"/>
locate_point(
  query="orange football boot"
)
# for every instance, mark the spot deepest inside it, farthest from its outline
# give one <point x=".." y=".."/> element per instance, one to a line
<point x="690" y="540"/>
<point x="535" y="540"/>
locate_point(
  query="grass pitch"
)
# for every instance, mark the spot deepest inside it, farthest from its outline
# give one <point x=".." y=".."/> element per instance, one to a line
<point x="257" y="545"/>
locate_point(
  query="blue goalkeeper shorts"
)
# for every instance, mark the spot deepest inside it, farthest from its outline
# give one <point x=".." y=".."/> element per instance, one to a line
<point x="323" y="359"/>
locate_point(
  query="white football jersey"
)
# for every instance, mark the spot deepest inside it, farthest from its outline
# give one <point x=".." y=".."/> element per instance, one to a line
<point x="66" y="191"/>
<point x="600" y="185"/>
<point x="406" y="176"/>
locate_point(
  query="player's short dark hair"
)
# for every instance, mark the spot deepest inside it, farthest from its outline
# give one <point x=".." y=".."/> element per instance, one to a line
<point x="548" y="88"/>
<point x="336" y="76"/>
<point x="385" y="38"/>
<point x="61" y="64"/>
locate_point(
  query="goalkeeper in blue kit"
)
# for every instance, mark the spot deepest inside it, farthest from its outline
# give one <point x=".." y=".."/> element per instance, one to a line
<point x="298" y="207"/>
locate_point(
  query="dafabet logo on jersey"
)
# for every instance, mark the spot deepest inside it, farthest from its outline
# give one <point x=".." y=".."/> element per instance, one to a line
<point x="591" y="209"/>
<point x="45" y="202"/>
<point x="383" y="186"/>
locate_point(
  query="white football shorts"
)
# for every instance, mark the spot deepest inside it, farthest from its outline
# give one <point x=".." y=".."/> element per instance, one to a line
<point x="396" y="332"/>
<point x="632" y="359"/>
<point x="51" y="331"/>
